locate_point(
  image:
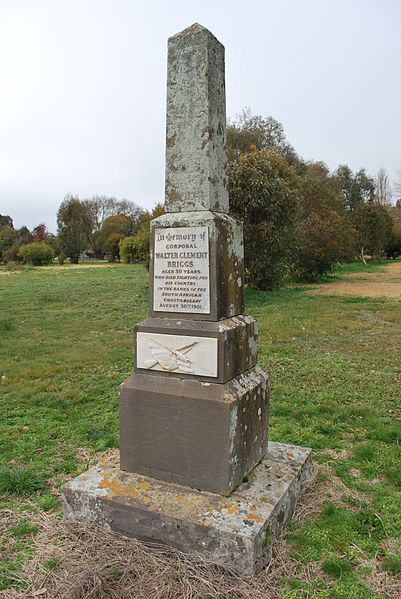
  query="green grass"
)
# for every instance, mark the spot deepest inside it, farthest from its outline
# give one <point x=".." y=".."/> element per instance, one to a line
<point x="20" y="481"/>
<point x="334" y="364"/>
<point x="357" y="267"/>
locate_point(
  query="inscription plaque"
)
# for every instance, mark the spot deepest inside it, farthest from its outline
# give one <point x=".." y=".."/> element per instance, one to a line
<point x="181" y="270"/>
<point x="182" y="354"/>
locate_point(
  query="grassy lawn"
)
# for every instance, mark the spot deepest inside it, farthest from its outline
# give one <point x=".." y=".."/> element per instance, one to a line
<point x="335" y="368"/>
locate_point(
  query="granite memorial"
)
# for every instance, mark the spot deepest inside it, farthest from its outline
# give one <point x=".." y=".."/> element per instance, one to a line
<point x="196" y="470"/>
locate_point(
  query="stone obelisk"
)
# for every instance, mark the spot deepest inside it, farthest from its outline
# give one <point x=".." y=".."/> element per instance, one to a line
<point x="193" y="470"/>
<point x="195" y="410"/>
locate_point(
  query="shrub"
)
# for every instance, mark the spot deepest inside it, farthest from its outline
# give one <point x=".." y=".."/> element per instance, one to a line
<point x="12" y="254"/>
<point x="393" y="247"/>
<point x="323" y="239"/>
<point x="112" y="246"/>
<point x="136" y="247"/>
<point x="7" y="237"/>
<point x="36" y="253"/>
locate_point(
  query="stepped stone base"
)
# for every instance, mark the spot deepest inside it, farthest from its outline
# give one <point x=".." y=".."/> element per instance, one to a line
<point x="237" y="531"/>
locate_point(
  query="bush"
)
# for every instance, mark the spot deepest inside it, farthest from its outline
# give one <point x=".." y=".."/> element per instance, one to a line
<point x="12" y="254"/>
<point x="8" y="237"/>
<point x="263" y="192"/>
<point x="393" y="247"/>
<point x="136" y="247"/>
<point x="112" y="246"/>
<point x="323" y="239"/>
<point x="36" y="253"/>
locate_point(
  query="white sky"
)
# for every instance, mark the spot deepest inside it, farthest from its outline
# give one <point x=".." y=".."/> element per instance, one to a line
<point x="82" y="89"/>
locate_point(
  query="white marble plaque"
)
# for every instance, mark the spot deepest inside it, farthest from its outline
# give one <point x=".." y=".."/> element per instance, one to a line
<point x="181" y="354"/>
<point x="181" y="270"/>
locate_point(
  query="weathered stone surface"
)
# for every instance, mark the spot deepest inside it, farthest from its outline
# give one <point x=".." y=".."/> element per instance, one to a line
<point x="235" y="351"/>
<point x="237" y="531"/>
<point x="195" y="433"/>
<point x="226" y="264"/>
<point x="196" y="123"/>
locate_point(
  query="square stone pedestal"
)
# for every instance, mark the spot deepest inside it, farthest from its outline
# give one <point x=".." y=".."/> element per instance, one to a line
<point x="194" y="433"/>
<point x="237" y="531"/>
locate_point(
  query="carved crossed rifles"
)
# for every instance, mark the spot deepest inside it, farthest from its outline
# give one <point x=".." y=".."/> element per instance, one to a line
<point x="170" y="359"/>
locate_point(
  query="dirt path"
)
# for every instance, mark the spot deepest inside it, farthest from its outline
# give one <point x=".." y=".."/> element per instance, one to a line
<point x="366" y="284"/>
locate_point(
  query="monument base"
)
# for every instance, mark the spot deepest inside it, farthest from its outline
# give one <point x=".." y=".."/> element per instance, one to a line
<point x="237" y="531"/>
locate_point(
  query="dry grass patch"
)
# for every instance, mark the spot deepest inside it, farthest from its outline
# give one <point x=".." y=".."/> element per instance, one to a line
<point x="365" y="284"/>
<point x="79" y="561"/>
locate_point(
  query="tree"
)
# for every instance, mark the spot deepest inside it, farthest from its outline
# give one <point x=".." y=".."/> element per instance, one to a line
<point x="383" y="191"/>
<point x="11" y="240"/>
<point x="263" y="191"/>
<point x="113" y="230"/>
<point x="136" y="247"/>
<point x="374" y="226"/>
<point x="112" y="246"/>
<point x="397" y="189"/>
<point x="40" y="232"/>
<point x="247" y="131"/>
<point x="23" y="235"/>
<point x="355" y="189"/>
<point x="318" y="190"/>
<point x="6" y="221"/>
<point x="102" y="207"/>
<point x="74" y="227"/>
<point x="393" y="247"/>
<point x="8" y="236"/>
<point x="324" y="238"/>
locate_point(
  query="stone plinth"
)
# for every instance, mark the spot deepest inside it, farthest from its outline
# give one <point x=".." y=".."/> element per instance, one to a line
<point x="210" y="287"/>
<point x="237" y="532"/>
<point x="191" y="432"/>
<point x="216" y="352"/>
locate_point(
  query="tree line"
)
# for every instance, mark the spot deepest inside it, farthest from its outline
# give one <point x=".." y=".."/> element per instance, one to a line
<point x="300" y="219"/>
<point x="93" y="226"/>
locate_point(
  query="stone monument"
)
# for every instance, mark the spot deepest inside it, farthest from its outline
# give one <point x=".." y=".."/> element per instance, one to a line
<point x="194" y="468"/>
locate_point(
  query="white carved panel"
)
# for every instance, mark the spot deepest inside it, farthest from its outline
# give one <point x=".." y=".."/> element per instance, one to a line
<point x="181" y="354"/>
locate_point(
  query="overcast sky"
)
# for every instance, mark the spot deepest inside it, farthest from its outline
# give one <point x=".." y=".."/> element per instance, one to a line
<point x="82" y="97"/>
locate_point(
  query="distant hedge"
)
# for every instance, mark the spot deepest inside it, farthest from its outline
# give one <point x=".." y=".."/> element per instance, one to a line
<point x="36" y="253"/>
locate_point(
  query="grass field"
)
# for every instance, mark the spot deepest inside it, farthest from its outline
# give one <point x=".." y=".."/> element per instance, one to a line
<point x="335" y="368"/>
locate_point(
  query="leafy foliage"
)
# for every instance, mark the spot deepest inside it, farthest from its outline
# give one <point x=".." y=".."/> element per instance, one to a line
<point x="136" y="247"/>
<point x="101" y="209"/>
<point x="323" y="239"/>
<point x="74" y="227"/>
<point x="113" y="230"/>
<point x="355" y="188"/>
<point x="8" y="236"/>
<point x="374" y="227"/>
<point x="36" y="253"/>
<point x="264" y="195"/>
<point x="6" y="221"/>
<point x="393" y="247"/>
<point x="248" y="132"/>
<point x="112" y="245"/>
